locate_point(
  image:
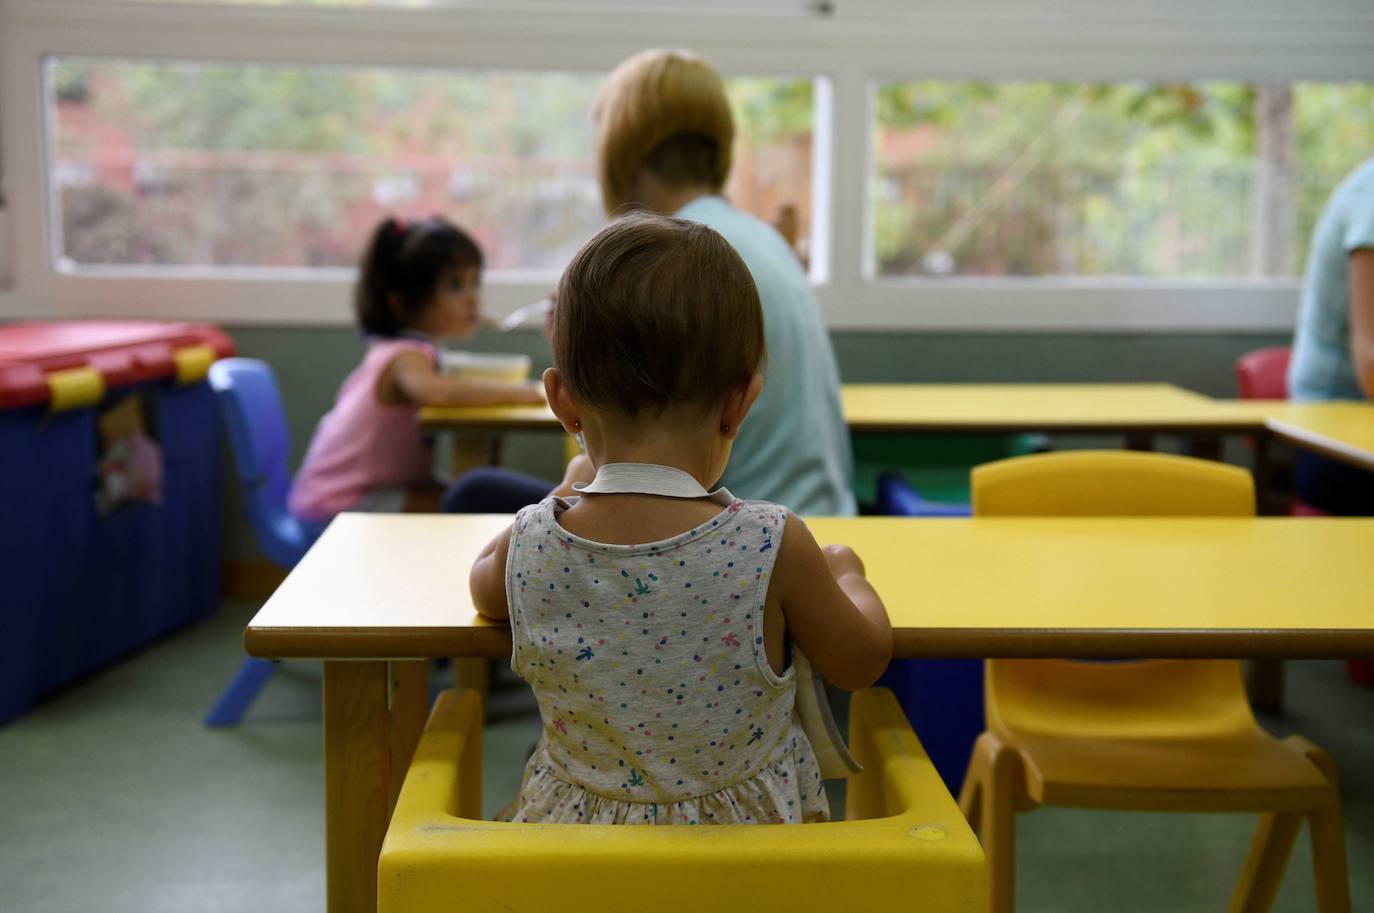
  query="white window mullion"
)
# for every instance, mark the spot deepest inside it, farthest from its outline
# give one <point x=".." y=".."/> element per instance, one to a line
<point x="25" y="148"/>
<point x="850" y="139"/>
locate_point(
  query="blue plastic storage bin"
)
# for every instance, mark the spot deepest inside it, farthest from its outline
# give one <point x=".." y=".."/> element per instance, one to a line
<point x="943" y="698"/>
<point x="82" y="588"/>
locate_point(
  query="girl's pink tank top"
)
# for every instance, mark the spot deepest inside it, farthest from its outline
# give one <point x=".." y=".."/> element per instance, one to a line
<point x="361" y="444"/>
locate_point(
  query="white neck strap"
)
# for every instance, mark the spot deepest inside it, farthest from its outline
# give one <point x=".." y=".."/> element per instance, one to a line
<point x="648" y="479"/>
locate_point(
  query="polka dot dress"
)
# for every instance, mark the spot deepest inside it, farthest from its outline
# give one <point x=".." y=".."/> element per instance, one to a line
<point x="658" y="701"/>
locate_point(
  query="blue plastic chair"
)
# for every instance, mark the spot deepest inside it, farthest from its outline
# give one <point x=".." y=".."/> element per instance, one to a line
<point x="943" y="698"/>
<point x="897" y="498"/>
<point x="251" y="403"/>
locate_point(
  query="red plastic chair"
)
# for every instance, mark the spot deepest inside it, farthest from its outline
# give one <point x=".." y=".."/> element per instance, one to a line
<point x="1263" y="373"/>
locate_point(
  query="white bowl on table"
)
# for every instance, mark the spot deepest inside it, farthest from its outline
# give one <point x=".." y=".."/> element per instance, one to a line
<point x="511" y="368"/>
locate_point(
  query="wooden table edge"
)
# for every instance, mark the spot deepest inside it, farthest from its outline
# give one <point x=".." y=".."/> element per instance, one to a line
<point x="1127" y="643"/>
<point x="1227" y="426"/>
<point x="363" y="643"/>
<point x="925" y="643"/>
<point x="1320" y="443"/>
<point x="485" y="426"/>
<point x="1245" y="424"/>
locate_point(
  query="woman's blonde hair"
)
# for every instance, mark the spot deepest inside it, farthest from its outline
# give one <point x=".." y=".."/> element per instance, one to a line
<point x="653" y="97"/>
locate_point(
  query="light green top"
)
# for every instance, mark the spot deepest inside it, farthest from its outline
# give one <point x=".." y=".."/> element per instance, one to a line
<point x="1322" y="366"/>
<point x="794" y="447"/>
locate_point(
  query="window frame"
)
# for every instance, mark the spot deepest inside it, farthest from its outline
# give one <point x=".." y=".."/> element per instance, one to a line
<point x="851" y="53"/>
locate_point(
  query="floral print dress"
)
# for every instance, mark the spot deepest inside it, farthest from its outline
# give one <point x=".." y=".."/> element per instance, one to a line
<point x="658" y="701"/>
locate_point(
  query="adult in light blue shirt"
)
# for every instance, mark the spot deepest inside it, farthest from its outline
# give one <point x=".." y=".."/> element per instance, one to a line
<point x="793" y="448"/>
<point x="1333" y="347"/>
<point x="664" y="137"/>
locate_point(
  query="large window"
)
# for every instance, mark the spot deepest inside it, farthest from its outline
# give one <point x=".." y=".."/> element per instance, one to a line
<point x="985" y="165"/>
<point x="1203" y="180"/>
<point x="197" y="165"/>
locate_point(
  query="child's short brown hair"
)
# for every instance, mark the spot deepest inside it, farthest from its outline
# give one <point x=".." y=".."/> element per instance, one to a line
<point x="654" y="312"/>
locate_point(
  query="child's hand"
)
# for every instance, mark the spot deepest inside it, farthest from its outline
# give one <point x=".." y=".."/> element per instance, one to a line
<point x="831" y="610"/>
<point x="843" y="560"/>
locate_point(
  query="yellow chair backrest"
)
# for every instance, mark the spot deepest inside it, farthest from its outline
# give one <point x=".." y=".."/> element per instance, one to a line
<point x="1091" y="483"/>
<point x="1125" y="700"/>
<point x="914" y="845"/>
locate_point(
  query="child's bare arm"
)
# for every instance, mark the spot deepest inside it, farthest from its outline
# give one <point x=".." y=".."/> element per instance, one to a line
<point x="488" y="579"/>
<point x="414" y="379"/>
<point x="832" y="612"/>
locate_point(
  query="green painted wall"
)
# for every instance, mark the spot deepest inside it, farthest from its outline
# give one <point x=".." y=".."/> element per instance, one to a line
<point x="310" y="363"/>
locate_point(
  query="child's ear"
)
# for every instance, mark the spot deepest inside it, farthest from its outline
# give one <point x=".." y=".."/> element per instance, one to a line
<point x="737" y="405"/>
<point x="561" y="401"/>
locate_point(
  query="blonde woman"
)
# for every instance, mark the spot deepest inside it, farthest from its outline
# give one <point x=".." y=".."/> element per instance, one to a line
<point x="664" y="140"/>
<point x="664" y="137"/>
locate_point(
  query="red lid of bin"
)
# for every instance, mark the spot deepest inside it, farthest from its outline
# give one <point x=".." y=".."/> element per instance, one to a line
<point x="124" y="352"/>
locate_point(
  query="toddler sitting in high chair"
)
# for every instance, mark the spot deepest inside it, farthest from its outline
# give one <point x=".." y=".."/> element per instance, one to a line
<point x="653" y="616"/>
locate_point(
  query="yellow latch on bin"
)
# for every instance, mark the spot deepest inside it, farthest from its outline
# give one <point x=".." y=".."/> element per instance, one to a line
<point x="74" y="388"/>
<point x="193" y="363"/>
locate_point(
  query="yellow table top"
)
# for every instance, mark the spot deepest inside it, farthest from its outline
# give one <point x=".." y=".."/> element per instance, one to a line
<point x="490" y="418"/>
<point x="1340" y="430"/>
<point x="958" y="407"/>
<point x="1036" y="407"/>
<point x="395" y="586"/>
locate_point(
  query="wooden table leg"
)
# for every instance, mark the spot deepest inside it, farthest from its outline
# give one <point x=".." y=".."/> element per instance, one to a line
<point x="373" y="714"/>
<point x="1264" y="677"/>
<point x="409" y="710"/>
<point x="1264" y="681"/>
<point x="473" y="674"/>
<point x="469" y="452"/>
<point x="1205" y="446"/>
<point x="1264" y="477"/>
<point x="356" y="782"/>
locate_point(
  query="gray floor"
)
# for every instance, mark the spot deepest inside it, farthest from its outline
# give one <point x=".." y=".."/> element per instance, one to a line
<point x="114" y="798"/>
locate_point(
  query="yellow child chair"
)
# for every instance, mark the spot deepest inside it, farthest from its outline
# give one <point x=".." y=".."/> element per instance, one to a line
<point x="1166" y="735"/>
<point x="913" y="848"/>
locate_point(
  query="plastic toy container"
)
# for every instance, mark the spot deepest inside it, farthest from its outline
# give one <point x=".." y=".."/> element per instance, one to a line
<point x="109" y="494"/>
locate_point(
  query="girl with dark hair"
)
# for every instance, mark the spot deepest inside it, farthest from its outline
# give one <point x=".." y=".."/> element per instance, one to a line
<point x="418" y="283"/>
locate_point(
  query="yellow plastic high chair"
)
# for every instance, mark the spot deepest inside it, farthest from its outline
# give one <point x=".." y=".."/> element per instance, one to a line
<point x="1163" y="735"/>
<point x="906" y="843"/>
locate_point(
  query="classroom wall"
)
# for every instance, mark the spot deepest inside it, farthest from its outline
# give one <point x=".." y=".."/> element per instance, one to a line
<point x="311" y="362"/>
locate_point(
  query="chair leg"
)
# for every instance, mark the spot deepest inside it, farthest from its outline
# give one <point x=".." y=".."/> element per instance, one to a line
<point x="1265" y="864"/>
<point x="998" y="813"/>
<point x="1328" y="836"/>
<point x="1328" y="861"/>
<point x="971" y="793"/>
<point x="238" y="695"/>
<point x="470" y="767"/>
<point x="1273" y="841"/>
